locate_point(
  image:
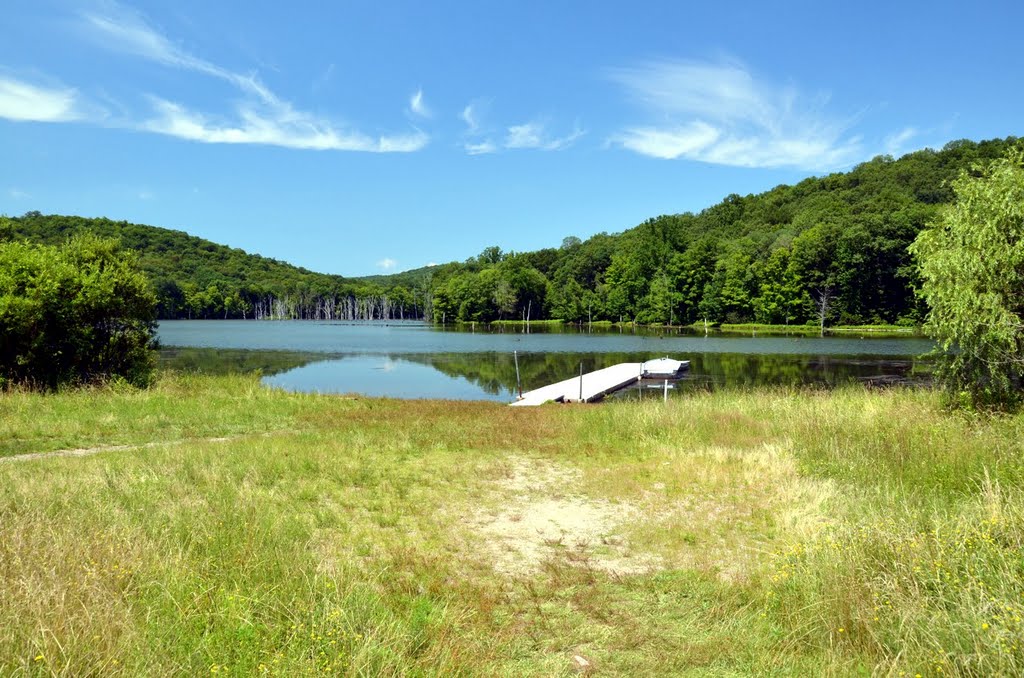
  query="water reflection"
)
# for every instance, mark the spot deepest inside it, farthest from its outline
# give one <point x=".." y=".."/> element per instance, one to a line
<point x="384" y="376"/>
<point x="233" y="360"/>
<point x="492" y="376"/>
<point x="495" y="374"/>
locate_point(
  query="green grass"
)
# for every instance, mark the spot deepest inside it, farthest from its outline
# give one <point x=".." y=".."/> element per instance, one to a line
<point x="876" y="330"/>
<point x="519" y="323"/>
<point x="810" y="330"/>
<point x="181" y="407"/>
<point x="758" y="532"/>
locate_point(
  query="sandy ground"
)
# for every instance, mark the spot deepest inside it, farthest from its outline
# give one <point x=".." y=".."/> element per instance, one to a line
<point x="544" y="518"/>
<point x="732" y="508"/>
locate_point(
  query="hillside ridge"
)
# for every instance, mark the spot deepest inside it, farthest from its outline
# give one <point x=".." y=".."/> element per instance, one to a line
<point x="833" y="245"/>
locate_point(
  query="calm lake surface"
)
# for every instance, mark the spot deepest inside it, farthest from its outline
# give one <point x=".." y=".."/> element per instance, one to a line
<point x="417" y="360"/>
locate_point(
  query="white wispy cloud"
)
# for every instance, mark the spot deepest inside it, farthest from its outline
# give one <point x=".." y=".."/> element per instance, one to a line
<point x="671" y="142"/>
<point x="719" y="113"/>
<point x="24" y="101"/>
<point x="480" y="148"/>
<point x="260" y="118"/>
<point x="418" y="106"/>
<point x="18" y="194"/>
<point x="470" y="116"/>
<point x="524" y="136"/>
<point x="126" y="30"/>
<point x="386" y="264"/>
<point x="476" y="140"/>
<point x="535" y="135"/>
<point x="895" y="144"/>
<point x="256" y="126"/>
<point x="479" y="139"/>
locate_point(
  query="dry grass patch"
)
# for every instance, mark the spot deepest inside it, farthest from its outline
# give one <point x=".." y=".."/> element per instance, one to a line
<point x="715" y="510"/>
<point x="67" y="599"/>
<point x="722" y="510"/>
<point x="543" y="515"/>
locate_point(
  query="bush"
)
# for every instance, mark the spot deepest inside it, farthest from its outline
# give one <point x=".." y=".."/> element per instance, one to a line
<point x="972" y="270"/>
<point x="80" y="313"/>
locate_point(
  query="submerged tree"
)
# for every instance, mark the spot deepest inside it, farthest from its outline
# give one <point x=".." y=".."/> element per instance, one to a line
<point x="972" y="269"/>
<point x="823" y="305"/>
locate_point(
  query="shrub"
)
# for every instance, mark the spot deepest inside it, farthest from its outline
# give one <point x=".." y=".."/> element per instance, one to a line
<point x="80" y="313"/>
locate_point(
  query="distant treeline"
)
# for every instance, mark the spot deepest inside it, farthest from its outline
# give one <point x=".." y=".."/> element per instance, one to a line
<point x="196" y="278"/>
<point x="834" y="246"/>
<point x="830" y="249"/>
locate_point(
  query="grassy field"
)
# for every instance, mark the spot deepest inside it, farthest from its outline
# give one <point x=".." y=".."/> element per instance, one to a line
<point x="812" y="330"/>
<point x="210" y="526"/>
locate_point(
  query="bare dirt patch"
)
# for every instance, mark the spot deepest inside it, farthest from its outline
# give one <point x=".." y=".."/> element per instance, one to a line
<point x="543" y="517"/>
<point x="715" y="510"/>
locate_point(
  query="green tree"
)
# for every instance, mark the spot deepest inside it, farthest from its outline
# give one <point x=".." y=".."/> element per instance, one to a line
<point x="628" y="278"/>
<point x="658" y="307"/>
<point x="6" y="229"/>
<point x="79" y="313"/>
<point x="778" y="289"/>
<point x="504" y="297"/>
<point x="971" y="261"/>
<point x="473" y="294"/>
<point x="195" y="300"/>
<point x="565" y="299"/>
<point x="527" y="288"/>
<point x="727" y="296"/>
<point x="693" y="270"/>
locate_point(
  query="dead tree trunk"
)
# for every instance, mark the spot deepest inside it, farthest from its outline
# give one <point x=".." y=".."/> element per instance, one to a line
<point x="822" y="300"/>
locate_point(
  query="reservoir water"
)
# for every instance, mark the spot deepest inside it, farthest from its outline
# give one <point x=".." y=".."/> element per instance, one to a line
<point x="418" y="360"/>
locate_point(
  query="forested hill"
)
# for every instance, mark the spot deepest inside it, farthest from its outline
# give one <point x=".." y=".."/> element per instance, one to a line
<point x="772" y="258"/>
<point x="775" y="257"/>
<point x="196" y="278"/>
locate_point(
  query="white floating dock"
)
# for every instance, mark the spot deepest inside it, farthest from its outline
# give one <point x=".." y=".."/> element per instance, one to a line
<point x="664" y="368"/>
<point x="595" y="385"/>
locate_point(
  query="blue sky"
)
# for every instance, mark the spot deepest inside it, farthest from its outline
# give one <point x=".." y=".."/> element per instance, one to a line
<point x="364" y="137"/>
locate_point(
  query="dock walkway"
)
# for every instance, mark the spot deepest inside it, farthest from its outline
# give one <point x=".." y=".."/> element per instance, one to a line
<point x="595" y="386"/>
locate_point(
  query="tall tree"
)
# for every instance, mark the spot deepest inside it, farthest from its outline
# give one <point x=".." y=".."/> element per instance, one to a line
<point x="972" y="269"/>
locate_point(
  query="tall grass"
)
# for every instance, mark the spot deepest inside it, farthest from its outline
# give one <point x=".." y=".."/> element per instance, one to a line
<point x="790" y="532"/>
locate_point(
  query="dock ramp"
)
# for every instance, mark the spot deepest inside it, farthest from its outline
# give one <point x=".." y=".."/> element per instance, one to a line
<point x="587" y="388"/>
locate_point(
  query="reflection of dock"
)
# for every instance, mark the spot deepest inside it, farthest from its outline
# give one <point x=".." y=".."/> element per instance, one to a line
<point x="592" y="386"/>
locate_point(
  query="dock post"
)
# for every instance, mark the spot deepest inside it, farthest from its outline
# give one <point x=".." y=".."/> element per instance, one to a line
<point x="666" y="390"/>
<point x="519" y="384"/>
<point x="581" y="381"/>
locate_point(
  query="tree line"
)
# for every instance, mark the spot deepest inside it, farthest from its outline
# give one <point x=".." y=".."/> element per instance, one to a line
<point x="196" y="278"/>
<point x="829" y="249"/>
